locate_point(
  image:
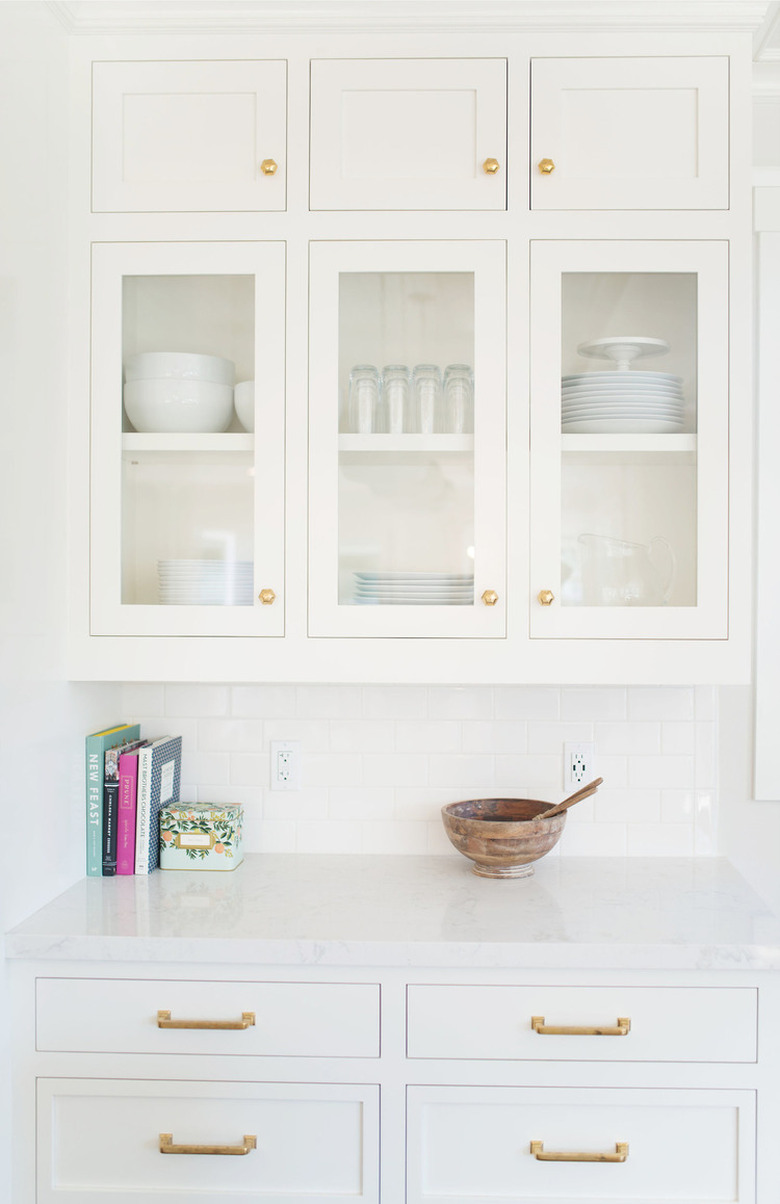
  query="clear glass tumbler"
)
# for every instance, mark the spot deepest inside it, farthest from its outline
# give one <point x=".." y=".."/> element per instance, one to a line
<point x="396" y="393"/>
<point x="363" y="409"/>
<point x="458" y="399"/>
<point x="428" y="399"/>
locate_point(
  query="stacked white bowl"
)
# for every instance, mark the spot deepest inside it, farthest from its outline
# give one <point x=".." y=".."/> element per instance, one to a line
<point x="176" y="391"/>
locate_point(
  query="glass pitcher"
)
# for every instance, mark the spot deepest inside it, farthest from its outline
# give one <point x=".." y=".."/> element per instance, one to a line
<point x="616" y="572"/>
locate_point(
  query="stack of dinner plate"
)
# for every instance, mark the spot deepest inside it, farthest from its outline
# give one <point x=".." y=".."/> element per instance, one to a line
<point x="622" y="402"/>
<point x="414" y="589"/>
<point x="205" y="582"/>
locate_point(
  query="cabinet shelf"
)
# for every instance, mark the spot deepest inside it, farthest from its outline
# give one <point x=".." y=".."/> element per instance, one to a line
<point x="402" y="449"/>
<point x="187" y="442"/>
<point x="630" y="449"/>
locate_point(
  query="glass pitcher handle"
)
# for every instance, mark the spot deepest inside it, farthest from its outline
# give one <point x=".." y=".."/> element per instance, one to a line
<point x="671" y="565"/>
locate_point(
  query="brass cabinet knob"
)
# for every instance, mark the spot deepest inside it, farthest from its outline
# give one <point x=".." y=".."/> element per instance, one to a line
<point x="269" y="167"/>
<point x="490" y="597"/>
<point x="491" y="166"/>
<point x="267" y="596"/>
<point x="546" y="166"/>
<point x="546" y="597"/>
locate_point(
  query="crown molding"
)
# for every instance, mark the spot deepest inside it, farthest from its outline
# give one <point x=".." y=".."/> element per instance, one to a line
<point x="401" y="16"/>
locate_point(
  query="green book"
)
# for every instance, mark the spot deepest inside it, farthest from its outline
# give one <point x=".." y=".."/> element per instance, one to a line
<point x="97" y="744"/>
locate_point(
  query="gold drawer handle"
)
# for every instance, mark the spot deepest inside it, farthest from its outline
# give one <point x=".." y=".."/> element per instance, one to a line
<point x="621" y="1029"/>
<point x="167" y="1146"/>
<point x="620" y="1154"/>
<point x="246" y="1021"/>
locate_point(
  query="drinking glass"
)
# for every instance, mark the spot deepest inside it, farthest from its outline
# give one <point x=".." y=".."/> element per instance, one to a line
<point x="396" y="394"/>
<point x="428" y="398"/>
<point x="363" y="399"/>
<point x="458" y="399"/>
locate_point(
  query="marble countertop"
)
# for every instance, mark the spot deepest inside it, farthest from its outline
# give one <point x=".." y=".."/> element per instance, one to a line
<point x="597" y="913"/>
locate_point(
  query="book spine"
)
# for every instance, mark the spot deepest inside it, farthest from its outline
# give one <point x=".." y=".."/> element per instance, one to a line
<point x="95" y="765"/>
<point x="110" y="808"/>
<point x="142" y="811"/>
<point x="125" y="832"/>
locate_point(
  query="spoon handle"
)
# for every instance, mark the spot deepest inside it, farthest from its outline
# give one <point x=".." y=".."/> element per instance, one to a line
<point x="583" y="793"/>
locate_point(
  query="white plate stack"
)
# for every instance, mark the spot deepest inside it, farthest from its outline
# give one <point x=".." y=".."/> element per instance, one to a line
<point x="205" y="582"/>
<point x="414" y="589"/>
<point x="644" y="403"/>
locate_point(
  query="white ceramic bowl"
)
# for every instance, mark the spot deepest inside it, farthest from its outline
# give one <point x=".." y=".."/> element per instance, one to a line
<point x="244" y="398"/>
<point x="178" y="405"/>
<point x="183" y="365"/>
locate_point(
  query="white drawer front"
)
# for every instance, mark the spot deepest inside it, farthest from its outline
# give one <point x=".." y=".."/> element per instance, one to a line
<point x="667" y="1024"/>
<point x="327" y="1020"/>
<point x="102" y="1139"/>
<point x="474" y="1143"/>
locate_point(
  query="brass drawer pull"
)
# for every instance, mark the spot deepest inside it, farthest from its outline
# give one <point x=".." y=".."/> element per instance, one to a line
<point x="621" y="1029"/>
<point x="167" y="1146"/>
<point x="164" y="1021"/>
<point x="620" y="1154"/>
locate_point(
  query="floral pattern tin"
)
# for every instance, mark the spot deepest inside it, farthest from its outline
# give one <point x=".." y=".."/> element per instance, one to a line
<point x="201" y="836"/>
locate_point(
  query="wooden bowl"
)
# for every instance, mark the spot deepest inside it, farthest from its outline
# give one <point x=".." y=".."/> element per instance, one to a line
<point x="502" y="836"/>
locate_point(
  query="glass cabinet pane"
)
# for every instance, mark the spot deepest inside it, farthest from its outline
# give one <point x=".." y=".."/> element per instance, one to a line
<point x="406" y="409"/>
<point x="628" y="358"/>
<point x="629" y="449"/>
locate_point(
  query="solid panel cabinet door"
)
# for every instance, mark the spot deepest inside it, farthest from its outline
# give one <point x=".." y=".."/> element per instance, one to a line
<point x="408" y="134"/>
<point x="407" y="446"/>
<point x="187" y="499"/>
<point x="629" y="440"/>
<point x="188" y="136"/>
<point x="630" y="133"/>
<point x="566" y="1144"/>
<point x="113" y="1141"/>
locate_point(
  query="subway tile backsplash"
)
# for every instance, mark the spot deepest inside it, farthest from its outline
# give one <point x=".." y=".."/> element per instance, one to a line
<point x="378" y="762"/>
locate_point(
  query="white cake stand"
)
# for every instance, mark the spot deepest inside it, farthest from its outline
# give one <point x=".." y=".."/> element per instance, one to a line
<point x="623" y="350"/>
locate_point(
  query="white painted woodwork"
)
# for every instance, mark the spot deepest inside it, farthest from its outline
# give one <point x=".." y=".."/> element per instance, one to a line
<point x="188" y="136"/>
<point x="163" y="496"/>
<point x="766" y="783"/>
<point x="314" y="1020"/>
<point x="668" y="1024"/>
<point x="424" y="493"/>
<point x="468" y="1143"/>
<point x="408" y="133"/>
<point x="630" y="133"/>
<point x="101" y="1139"/>
<point x="675" y="496"/>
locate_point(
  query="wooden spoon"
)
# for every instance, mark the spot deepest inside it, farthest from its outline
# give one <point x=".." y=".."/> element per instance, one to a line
<point x="577" y="797"/>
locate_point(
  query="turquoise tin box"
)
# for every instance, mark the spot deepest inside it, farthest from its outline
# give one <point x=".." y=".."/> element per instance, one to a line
<point x="201" y="836"/>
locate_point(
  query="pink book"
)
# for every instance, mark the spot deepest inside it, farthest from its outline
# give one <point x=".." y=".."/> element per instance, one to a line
<point x="125" y="832"/>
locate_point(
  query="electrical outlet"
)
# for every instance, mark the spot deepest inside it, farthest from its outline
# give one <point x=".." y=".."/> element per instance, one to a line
<point x="579" y="762"/>
<point x="285" y="765"/>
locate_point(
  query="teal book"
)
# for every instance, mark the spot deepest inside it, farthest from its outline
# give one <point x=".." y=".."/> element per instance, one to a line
<point x="96" y="746"/>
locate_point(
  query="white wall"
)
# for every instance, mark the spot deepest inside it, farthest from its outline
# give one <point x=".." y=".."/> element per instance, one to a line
<point x="42" y="717"/>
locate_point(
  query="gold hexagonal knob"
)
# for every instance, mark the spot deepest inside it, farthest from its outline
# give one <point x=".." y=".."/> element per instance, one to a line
<point x="269" y="167"/>
<point x="491" y="166"/>
<point x="546" y="166"/>
<point x="267" y="596"/>
<point x="490" y="597"/>
<point x="546" y="597"/>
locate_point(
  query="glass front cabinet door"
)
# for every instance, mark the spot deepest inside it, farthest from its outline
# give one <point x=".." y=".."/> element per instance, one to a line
<point x="187" y="522"/>
<point x="407" y="439"/>
<point x="629" y="440"/>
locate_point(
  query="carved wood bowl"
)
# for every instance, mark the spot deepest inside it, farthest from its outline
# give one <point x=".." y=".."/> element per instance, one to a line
<point x="502" y="836"/>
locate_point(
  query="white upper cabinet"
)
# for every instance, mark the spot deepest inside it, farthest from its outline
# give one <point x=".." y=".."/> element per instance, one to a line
<point x="629" y="439"/>
<point x="187" y="496"/>
<point x="408" y="134"/>
<point x="188" y="136"/>
<point x="629" y="133"/>
<point x="407" y="439"/>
